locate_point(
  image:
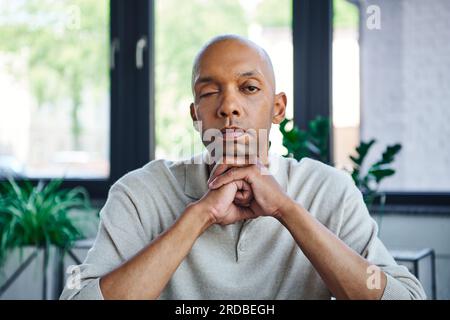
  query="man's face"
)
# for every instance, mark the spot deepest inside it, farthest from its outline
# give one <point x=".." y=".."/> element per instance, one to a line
<point x="234" y="92"/>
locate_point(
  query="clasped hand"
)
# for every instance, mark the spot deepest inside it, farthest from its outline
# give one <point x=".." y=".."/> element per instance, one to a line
<point x="243" y="191"/>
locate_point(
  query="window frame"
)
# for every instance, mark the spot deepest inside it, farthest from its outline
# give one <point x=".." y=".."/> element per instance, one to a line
<point x="131" y="138"/>
<point x="132" y="130"/>
<point x="312" y="35"/>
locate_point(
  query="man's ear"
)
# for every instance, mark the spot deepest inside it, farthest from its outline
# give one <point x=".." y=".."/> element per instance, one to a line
<point x="279" y="109"/>
<point x="194" y="116"/>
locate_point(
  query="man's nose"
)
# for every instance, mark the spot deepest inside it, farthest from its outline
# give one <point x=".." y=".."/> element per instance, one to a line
<point x="229" y="107"/>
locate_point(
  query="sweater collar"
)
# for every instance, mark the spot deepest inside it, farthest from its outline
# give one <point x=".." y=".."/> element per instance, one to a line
<point x="196" y="175"/>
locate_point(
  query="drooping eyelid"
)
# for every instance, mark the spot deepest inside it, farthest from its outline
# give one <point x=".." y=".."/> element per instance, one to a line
<point x="203" y="81"/>
<point x="206" y="88"/>
<point x="207" y="94"/>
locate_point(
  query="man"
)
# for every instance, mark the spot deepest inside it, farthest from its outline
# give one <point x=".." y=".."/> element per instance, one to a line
<point x="242" y="225"/>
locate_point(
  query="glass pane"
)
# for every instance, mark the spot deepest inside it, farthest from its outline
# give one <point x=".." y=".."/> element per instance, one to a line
<point x="393" y="86"/>
<point x="345" y="82"/>
<point x="54" y="78"/>
<point x="267" y="22"/>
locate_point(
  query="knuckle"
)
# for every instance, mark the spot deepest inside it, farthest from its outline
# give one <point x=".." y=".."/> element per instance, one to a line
<point x="230" y="172"/>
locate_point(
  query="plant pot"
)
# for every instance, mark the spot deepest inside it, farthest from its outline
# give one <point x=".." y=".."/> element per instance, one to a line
<point x="24" y="275"/>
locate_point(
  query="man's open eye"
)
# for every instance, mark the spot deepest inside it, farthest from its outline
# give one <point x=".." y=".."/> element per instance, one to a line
<point x="251" y="89"/>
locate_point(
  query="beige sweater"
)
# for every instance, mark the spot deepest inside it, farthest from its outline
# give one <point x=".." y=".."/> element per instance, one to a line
<point x="255" y="259"/>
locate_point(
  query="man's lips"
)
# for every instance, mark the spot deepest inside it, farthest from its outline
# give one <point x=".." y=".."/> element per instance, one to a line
<point x="232" y="133"/>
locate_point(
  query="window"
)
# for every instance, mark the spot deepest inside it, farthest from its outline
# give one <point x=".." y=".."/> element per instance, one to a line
<point x="63" y="113"/>
<point x="54" y="78"/>
<point x="182" y="27"/>
<point x="391" y="83"/>
<point x="346" y="101"/>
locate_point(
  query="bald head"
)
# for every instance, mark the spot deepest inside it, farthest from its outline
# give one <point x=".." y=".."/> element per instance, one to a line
<point x="221" y="45"/>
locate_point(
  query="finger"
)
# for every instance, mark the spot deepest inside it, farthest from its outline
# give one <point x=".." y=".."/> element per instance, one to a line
<point x="245" y="191"/>
<point x="256" y="208"/>
<point x="242" y="203"/>
<point x="243" y="197"/>
<point x="226" y="163"/>
<point x="231" y="175"/>
<point x="243" y="194"/>
<point x="218" y="169"/>
<point x="238" y="214"/>
<point x="221" y="168"/>
<point x="246" y="213"/>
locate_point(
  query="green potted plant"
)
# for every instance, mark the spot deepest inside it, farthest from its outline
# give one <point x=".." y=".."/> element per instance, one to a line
<point x="369" y="180"/>
<point x="314" y="142"/>
<point x="39" y="217"/>
<point x="311" y="143"/>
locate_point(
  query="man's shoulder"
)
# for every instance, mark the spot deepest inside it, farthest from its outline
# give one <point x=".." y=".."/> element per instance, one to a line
<point x="155" y="175"/>
<point x="149" y="198"/>
<point x="310" y="173"/>
<point x="152" y="169"/>
<point x="316" y="168"/>
<point x="322" y="189"/>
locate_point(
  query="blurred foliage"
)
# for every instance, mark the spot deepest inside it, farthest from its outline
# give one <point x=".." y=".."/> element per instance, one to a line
<point x="345" y="15"/>
<point x="65" y="47"/>
<point x="311" y="143"/>
<point x="40" y="215"/>
<point x="368" y="182"/>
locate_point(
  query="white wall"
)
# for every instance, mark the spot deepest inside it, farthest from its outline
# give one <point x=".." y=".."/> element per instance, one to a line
<point x="405" y="89"/>
<point x="421" y="230"/>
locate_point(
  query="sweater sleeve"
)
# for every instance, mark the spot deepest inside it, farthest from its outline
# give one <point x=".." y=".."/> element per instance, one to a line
<point x="360" y="231"/>
<point x="120" y="236"/>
